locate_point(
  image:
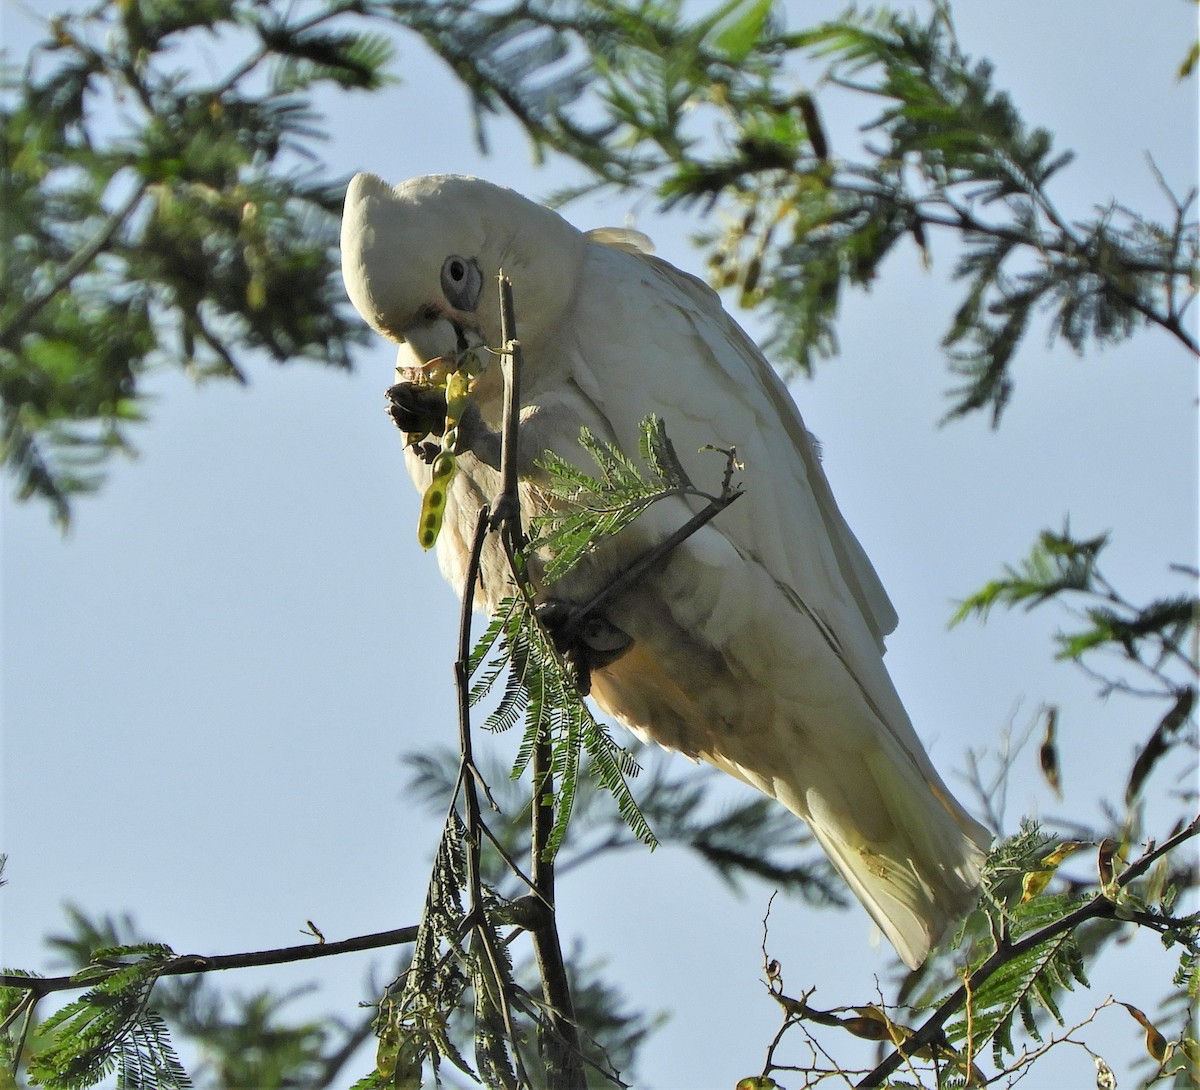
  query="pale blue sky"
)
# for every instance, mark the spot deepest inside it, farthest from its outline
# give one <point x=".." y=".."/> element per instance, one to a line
<point x="208" y="682"/>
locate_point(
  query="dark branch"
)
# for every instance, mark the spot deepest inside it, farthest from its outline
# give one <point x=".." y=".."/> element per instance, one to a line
<point x="187" y="964"/>
<point x="560" y="1041"/>
<point x="11" y="332"/>
<point x="642" y="566"/>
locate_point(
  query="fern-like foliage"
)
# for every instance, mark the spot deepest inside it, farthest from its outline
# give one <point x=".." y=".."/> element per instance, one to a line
<point x="146" y="1059"/>
<point x="539" y="690"/>
<point x="591" y="508"/>
<point x="1057" y="562"/>
<point x="1026" y="983"/>
<point x="1031" y="981"/>
<point x="110" y="1028"/>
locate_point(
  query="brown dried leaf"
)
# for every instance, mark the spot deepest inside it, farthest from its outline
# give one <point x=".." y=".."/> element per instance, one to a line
<point x="1156" y="1043"/>
<point x="1048" y="753"/>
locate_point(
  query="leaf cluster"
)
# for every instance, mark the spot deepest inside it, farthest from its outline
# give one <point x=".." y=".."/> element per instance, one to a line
<point x="157" y="217"/>
<point x="1152" y="644"/>
<point x="1032" y="980"/>
<point x="540" y="692"/>
<point x="111" y="1028"/>
<point x="588" y="509"/>
<point x="947" y="151"/>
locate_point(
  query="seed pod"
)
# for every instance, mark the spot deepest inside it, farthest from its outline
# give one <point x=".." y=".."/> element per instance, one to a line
<point x="1048" y="753"/>
<point x="433" y="510"/>
<point x="433" y="503"/>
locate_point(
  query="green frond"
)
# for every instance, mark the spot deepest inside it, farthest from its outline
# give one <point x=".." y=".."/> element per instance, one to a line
<point x="1033" y="981"/>
<point x="146" y="1059"/>
<point x="1015" y="988"/>
<point x="110" y="1028"/>
<point x="350" y="60"/>
<point x="483" y="661"/>
<point x="1057" y="563"/>
<point x="539" y="693"/>
<point x="589" y="509"/>
<point x="611" y="764"/>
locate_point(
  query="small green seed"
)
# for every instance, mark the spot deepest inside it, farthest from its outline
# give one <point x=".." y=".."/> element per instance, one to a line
<point x="443" y="467"/>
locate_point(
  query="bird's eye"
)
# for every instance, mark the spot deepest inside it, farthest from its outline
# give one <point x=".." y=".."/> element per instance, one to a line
<point x="461" y="282"/>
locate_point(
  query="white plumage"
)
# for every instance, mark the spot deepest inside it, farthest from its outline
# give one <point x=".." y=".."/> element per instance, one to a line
<point x="758" y="645"/>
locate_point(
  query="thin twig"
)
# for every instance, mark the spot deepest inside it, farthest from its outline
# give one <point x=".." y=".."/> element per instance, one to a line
<point x="560" y="1038"/>
<point x="508" y="505"/>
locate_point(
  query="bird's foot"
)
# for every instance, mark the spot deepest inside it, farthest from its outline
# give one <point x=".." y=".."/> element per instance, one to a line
<point x="416" y="409"/>
<point x="586" y="641"/>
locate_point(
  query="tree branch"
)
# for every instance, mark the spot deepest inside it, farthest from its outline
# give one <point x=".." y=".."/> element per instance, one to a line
<point x="82" y="259"/>
<point x="1099" y="907"/>
<point x="560" y="1035"/>
<point x="187" y="964"/>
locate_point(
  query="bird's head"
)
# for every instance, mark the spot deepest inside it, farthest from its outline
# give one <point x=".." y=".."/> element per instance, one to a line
<point x="420" y="261"/>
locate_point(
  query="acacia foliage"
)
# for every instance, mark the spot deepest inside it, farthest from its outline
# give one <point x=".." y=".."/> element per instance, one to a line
<point x="160" y="215"/>
<point x="194" y="226"/>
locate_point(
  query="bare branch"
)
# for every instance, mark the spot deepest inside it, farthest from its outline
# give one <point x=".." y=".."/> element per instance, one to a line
<point x="187" y="964"/>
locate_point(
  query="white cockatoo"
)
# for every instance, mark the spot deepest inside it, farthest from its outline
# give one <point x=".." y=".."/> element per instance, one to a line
<point x="757" y="644"/>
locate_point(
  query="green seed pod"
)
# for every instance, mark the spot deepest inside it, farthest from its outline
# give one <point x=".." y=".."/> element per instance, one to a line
<point x="433" y="510"/>
<point x="433" y="503"/>
<point x="444" y="466"/>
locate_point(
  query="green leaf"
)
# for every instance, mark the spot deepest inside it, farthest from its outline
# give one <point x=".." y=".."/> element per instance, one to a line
<point x="1057" y="563"/>
<point x="738" y="27"/>
<point x="110" y="1027"/>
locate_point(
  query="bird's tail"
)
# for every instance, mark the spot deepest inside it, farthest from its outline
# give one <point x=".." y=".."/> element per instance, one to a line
<point x="910" y="852"/>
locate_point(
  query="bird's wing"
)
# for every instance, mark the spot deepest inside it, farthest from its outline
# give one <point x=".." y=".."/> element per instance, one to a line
<point x="759" y="646"/>
<point x="651" y="339"/>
